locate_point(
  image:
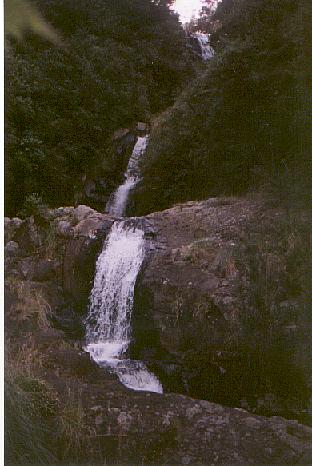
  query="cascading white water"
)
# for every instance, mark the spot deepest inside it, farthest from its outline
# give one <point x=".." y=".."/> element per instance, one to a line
<point x="207" y="51"/>
<point x="108" y="323"/>
<point x="111" y="298"/>
<point x="117" y="204"/>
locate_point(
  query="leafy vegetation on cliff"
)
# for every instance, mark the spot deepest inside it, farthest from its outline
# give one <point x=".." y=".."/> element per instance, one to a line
<point x="245" y="121"/>
<point x="115" y="63"/>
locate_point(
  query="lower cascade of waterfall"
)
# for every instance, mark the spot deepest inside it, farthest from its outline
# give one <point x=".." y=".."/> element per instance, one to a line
<point x="108" y="323"/>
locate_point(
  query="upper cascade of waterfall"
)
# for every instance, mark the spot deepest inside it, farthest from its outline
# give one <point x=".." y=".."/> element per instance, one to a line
<point x="118" y="202"/>
<point x="207" y="52"/>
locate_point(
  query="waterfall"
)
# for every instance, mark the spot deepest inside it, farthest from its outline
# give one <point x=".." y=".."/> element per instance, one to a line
<point x="207" y="51"/>
<point x="108" y="323"/>
<point x="118" y="202"/>
<point x="111" y="298"/>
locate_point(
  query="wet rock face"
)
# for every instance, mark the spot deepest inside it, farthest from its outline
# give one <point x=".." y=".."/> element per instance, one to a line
<point x="78" y="269"/>
<point x="189" y="291"/>
<point x="104" y="176"/>
<point x="190" y="296"/>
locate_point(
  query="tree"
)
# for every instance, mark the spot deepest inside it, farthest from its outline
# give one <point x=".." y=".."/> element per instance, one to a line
<point x="119" y="62"/>
<point x="226" y="132"/>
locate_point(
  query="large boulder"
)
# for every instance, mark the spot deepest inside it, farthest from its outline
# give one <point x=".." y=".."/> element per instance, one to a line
<point x="64" y="228"/>
<point x="11" y="226"/>
<point x="189" y="288"/>
<point x="177" y="430"/>
<point x="92" y="225"/>
<point x="11" y="248"/>
<point x="141" y="126"/>
<point x="28" y="235"/>
<point x="83" y="211"/>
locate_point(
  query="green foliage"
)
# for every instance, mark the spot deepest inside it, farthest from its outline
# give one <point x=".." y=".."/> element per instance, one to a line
<point x="75" y="435"/>
<point x="246" y="120"/>
<point x="119" y="62"/>
<point x="33" y="205"/>
<point x="275" y="339"/>
<point x="39" y="428"/>
<point x="31" y="305"/>
<point x="28" y="419"/>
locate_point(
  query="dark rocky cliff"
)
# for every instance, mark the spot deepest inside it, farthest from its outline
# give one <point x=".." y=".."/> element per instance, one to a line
<point x="215" y="314"/>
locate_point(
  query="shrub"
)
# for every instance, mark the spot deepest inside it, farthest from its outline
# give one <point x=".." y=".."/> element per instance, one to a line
<point x="30" y="304"/>
<point x="274" y="340"/>
<point x="33" y="206"/>
<point x="118" y="63"/>
<point x="74" y="436"/>
<point x="243" y="124"/>
<point x="30" y="407"/>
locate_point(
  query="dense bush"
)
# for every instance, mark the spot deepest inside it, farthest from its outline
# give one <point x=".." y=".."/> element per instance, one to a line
<point x="115" y="63"/>
<point x="27" y="431"/>
<point x="245" y="121"/>
<point x="274" y="338"/>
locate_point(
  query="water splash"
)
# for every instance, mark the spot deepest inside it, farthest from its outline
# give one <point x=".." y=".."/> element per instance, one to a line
<point x="118" y="202"/>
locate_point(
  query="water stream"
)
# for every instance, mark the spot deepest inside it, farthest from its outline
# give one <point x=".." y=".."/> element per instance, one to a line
<point x="118" y="201"/>
<point x="207" y="52"/>
<point x="108" y="323"/>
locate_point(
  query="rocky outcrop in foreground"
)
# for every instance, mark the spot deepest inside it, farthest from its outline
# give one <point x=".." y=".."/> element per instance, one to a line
<point x="128" y="427"/>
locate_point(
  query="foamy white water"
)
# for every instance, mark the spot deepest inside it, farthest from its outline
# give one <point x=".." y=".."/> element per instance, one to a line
<point x="111" y="299"/>
<point x="108" y="323"/>
<point x="207" y="51"/>
<point x="118" y="202"/>
<point x="131" y="373"/>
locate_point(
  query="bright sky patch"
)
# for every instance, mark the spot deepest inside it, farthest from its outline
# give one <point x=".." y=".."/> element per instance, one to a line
<point x="188" y="8"/>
